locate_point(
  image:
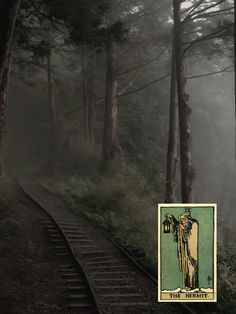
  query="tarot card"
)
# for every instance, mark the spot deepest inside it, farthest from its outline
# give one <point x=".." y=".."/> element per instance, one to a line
<point x="187" y="257"/>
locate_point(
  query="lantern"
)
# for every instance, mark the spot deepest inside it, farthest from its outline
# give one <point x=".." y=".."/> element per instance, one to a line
<point x="166" y="226"/>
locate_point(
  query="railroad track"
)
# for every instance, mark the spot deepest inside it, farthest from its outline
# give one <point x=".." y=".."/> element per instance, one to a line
<point x="78" y="291"/>
<point x="102" y="277"/>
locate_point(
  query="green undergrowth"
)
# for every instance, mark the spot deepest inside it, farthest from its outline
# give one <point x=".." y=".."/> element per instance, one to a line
<point x="227" y="277"/>
<point x="120" y="199"/>
<point x="123" y="202"/>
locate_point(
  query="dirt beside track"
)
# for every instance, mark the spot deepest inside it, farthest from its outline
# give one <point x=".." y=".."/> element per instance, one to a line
<point x="29" y="270"/>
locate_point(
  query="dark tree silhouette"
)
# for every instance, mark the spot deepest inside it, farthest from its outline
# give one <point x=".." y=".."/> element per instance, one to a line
<point x="187" y="172"/>
<point x="8" y="14"/>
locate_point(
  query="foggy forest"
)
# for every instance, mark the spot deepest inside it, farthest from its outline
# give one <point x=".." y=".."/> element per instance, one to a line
<point x="112" y="107"/>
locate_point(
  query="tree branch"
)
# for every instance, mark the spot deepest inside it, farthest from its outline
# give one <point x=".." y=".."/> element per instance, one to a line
<point x="55" y="23"/>
<point x="145" y="13"/>
<point x="130" y="84"/>
<point x="146" y="85"/>
<point x="202" y="10"/>
<point x="207" y="37"/>
<point x="193" y="8"/>
<point x="214" y="13"/>
<point x="33" y="64"/>
<point x="209" y="74"/>
<point x="145" y="63"/>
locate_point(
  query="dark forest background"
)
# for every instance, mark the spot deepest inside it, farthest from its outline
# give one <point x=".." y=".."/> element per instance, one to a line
<point x="117" y="106"/>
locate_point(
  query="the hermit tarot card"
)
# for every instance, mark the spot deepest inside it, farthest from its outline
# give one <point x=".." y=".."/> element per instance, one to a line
<point x="187" y="255"/>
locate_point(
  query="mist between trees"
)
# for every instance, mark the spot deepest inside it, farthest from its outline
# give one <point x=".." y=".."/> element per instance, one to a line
<point x="119" y="105"/>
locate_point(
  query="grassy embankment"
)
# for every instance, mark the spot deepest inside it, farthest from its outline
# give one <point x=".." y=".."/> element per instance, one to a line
<point x="122" y="201"/>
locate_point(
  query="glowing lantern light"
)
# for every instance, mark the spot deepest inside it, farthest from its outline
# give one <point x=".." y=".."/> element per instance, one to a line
<point x="166" y="226"/>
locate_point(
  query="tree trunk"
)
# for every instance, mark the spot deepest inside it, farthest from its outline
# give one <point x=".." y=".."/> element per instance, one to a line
<point x="172" y="152"/>
<point x="89" y="71"/>
<point x="187" y="172"/>
<point x="91" y="120"/>
<point x="8" y="14"/>
<point x="92" y="97"/>
<point x="3" y="107"/>
<point x="235" y="79"/>
<point x="110" y="138"/>
<point x="52" y="117"/>
<point x="85" y="98"/>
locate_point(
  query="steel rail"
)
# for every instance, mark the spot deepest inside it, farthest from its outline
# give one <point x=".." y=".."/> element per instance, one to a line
<point x="186" y="307"/>
<point x="77" y="261"/>
<point x="183" y="307"/>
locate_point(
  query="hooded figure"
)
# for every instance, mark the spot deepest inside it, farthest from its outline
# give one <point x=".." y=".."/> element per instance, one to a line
<point x="185" y="233"/>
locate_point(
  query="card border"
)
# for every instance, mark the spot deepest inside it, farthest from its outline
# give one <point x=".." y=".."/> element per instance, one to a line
<point x="160" y="205"/>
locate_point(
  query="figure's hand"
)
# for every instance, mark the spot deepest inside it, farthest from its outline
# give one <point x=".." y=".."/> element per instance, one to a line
<point x="169" y="216"/>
